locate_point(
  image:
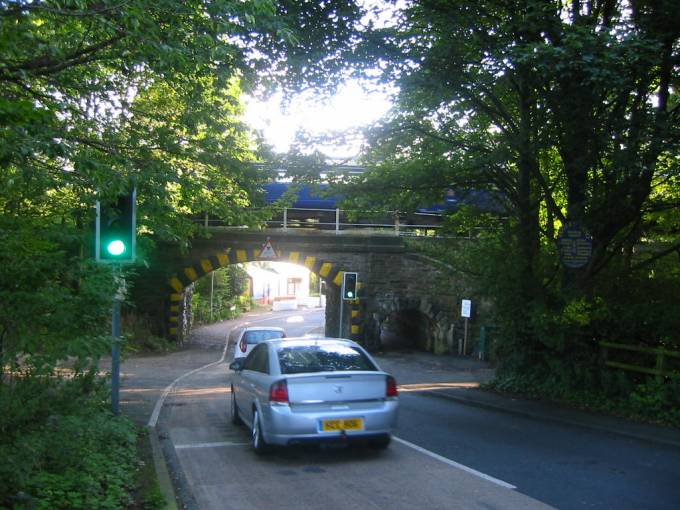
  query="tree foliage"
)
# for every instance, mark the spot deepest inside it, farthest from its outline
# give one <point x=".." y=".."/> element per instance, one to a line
<point x="98" y="96"/>
<point x="564" y="111"/>
<point x="53" y="303"/>
<point x="220" y="295"/>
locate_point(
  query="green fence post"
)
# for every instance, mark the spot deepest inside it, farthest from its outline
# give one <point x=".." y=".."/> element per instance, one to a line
<point x="659" y="366"/>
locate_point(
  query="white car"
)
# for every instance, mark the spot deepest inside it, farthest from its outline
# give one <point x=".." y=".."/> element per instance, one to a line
<point x="248" y="338"/>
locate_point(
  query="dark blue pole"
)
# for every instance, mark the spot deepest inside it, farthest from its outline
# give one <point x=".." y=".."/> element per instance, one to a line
<point x="115" y="356"/>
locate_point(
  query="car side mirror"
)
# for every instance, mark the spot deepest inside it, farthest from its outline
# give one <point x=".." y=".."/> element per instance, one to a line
<point x="237" y="364"/>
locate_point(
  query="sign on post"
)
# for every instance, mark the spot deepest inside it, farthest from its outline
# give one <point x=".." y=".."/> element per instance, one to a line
<point x="466" y="308"/>
<point x="465" y="312"/>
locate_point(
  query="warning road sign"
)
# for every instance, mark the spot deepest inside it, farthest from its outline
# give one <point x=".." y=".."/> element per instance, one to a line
<point x="268" y="251"/>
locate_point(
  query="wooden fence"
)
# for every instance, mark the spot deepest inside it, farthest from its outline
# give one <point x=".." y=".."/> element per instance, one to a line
<point x="660" y="370"/>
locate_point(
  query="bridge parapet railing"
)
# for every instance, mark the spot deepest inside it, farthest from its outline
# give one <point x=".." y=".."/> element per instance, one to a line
<point x="390" y="223"/>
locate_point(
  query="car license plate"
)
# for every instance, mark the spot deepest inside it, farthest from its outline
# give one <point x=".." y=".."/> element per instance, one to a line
<point x="343" y="424"/>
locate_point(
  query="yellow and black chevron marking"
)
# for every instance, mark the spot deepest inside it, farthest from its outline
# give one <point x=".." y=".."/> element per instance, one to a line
<point x="327" y="270"/>
<point x="357" y="319"/>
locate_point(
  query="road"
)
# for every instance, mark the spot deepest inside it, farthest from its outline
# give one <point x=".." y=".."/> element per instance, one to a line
<point x="565" y="466"/>
<point x="446" y="455"/>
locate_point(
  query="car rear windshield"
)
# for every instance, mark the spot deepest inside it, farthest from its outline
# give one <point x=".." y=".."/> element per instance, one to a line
<point x="255" y="337"/>
<point x="299" y="359"/>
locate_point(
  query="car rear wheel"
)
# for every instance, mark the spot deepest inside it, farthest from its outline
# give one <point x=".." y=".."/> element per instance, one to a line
<point x="259" y="444"/>
<point x="235" y="418"/>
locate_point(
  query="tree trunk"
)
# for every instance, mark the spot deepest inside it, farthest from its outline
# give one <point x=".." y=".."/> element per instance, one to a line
<point x="527" y="187"/>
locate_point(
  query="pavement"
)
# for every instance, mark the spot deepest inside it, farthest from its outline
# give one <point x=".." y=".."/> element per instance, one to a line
<point x="454" y="378"/>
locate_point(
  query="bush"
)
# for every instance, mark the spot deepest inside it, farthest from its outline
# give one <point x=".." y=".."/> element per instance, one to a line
<point x="62" y="448"/>
<point x="660" y="400"/>
<point x="652" y="401"/>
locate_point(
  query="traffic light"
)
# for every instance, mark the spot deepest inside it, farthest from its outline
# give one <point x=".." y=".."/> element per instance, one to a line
<point x="115" y="231"/>
<point x="349" y="286"/>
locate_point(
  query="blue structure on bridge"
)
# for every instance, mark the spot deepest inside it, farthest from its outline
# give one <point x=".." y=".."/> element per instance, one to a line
<point x="317" y="197"/>
<point x="307" y="196"/>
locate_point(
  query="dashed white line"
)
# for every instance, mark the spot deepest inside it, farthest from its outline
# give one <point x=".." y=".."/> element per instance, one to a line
<point x="455" y="464"/>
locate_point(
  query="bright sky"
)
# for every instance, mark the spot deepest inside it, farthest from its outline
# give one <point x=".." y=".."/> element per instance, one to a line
<point x="351" y="107"/>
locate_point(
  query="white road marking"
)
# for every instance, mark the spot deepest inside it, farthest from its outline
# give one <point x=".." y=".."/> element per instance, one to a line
<point x="159" y="404"/>
<point x="455" y="464"/>
<point x="153" y="420"/>
<point x="208" y="445"/>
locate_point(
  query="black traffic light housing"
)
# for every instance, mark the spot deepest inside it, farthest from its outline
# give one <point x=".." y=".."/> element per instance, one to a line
<point x="116" y="229"/>
<point x="349" y="286"/>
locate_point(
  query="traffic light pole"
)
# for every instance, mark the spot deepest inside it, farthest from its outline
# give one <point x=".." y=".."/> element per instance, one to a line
<point x="342" y="309"/>
<point x="115" y="356"/>
<point x="348" y="291"/>
<point x="115" y="346"/>
<point x="115" y="243"/>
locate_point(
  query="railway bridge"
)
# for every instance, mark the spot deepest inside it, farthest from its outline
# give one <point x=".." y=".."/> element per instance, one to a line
<point x="405" y="299"/>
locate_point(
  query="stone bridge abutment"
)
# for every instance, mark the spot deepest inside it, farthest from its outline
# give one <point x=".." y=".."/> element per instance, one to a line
<point x="406" y="300"/>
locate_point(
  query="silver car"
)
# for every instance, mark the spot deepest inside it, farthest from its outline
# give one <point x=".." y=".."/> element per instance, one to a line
<point x="301" y="390"/>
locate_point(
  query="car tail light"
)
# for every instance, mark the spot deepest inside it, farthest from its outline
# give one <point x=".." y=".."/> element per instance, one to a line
<point x="391" y="387"/>
<point x="243" y="345"/>
<point x="278" y="392"/>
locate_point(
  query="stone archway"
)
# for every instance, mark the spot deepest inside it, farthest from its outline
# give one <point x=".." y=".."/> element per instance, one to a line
<point x="406" y="329"/>
<point x="330" y="272"/>
<point x="412" y="323"/>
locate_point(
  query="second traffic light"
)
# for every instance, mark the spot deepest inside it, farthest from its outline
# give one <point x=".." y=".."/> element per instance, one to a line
<point x="349" y="286"/>
<point x="116" y="229"/>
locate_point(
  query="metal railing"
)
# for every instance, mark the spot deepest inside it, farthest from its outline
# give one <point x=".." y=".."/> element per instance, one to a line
<point x="336" y="220"/>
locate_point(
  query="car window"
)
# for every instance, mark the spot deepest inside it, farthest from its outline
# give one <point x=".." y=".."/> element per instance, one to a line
<point x="255" y="337"/>
<point x="298" y="359"/>
<point x="258" y="360"/>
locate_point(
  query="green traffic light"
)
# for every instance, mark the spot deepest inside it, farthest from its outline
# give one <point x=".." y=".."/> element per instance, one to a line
<point x="116" y="247"/>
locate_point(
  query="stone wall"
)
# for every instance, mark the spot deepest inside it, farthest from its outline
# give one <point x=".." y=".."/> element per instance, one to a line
<point x="394" y="284"/>
<point x="419" y="286"/>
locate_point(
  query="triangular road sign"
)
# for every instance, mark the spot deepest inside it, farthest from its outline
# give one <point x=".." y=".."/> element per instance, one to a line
<point x="268" y="251"/>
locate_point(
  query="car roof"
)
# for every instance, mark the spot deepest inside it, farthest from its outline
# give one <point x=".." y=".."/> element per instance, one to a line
<point x="310" y="340"/>
<point x="262" y="328"/>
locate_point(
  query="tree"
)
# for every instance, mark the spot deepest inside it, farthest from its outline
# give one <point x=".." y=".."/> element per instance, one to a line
<point x="215" y="295"/>
<point x="565" y="111"/>
<point x="97" y="96"/>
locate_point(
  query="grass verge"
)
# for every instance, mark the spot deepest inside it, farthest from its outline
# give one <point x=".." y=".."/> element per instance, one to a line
<point x="147" y="494"/>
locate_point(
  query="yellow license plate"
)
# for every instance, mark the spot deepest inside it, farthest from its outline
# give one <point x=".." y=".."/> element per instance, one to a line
<point x="344" y="424"/>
